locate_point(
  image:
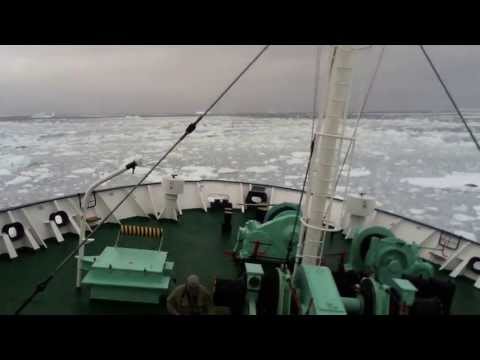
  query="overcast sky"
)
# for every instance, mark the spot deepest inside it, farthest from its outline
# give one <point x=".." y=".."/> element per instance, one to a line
<point x="170" y="79"/>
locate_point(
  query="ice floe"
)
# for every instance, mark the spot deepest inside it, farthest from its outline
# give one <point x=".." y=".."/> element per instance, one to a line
<point x="418" y="162"/>
<point x="226" y="170"/>
<point x="294" y="161"/>
<point x="14" y="162"/>
<point x="461" y="208"/>
<point x="84" y="171"/>
<point x="466" y="234"/>
<point x="359" y="172"/>
<point x="18" y="180"/>
<point x="262" y="169"/>
<point x="463" y="217"/>
<point x="455" y="180"/>
<point x="193" y="172"/>
<point x="417" y="211"/>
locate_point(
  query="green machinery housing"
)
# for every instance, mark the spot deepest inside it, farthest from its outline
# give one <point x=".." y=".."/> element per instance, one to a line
<point x="273" y="240"/>
<point x="129" y="274"/>
<point x="382" y="274"/>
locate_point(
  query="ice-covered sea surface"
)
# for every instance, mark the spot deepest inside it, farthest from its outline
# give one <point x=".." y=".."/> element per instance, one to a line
<point x="422" y="166"/>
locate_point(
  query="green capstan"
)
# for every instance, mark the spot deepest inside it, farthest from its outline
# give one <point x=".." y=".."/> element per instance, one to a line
<point x="273" y="239"/>
<point x="376" y="250"/>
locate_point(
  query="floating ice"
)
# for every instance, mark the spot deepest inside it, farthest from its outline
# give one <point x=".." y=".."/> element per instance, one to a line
<point x="262" y="169"/>
<point x="226" y="170"/>
<point x="84" y="171"/>
<point x="68" y="153"/>
<point x="416" y="211"/>
<point x="359" y="172"/>
<point x="294" y="161"/>
<point x="466" y="234"/>
<point x="133" y="117"/>
<point x="461" y="208"/>
<point x="192" y="172"/>
<point x="392" y="146"/>
<point x="463" y="217"/>
<point x="14" y="162"/>
<point x="456" y="180"/>
<point x="4" y="172"/>
<point x="477" y="210"/>
<point x="300" y="154"/>
<point x="18" y="180"/>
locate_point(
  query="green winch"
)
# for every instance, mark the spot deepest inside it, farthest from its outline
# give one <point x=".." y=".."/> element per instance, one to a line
<point x="376" y="250"/>
<point x="273" y="239"/>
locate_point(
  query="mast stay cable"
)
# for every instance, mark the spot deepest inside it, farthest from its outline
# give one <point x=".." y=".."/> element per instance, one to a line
<point x="350" y="148"/>
<point x="365" y="100"/>
<point x="190" y="128"/>
<point x="312" y="142"/>
<point x="472" y="135"/>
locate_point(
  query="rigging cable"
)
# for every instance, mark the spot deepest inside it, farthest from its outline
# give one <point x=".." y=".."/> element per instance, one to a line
<point x="190" y="128"/>
<point x="377" y="67"/>
<point x="312" y="142"/>
<point x="472" y="135"/>
<point x="315" y="91"/>
<point x="350" y="148"/>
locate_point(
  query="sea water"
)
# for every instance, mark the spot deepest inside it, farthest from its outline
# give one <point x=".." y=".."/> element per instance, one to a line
<point x="422" y="166"/>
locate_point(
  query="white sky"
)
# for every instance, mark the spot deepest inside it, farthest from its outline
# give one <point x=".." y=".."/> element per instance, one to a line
<point x="169" y="79"/>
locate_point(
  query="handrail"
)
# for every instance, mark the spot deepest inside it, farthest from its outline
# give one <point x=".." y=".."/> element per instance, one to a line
<point x="382" y="211"/>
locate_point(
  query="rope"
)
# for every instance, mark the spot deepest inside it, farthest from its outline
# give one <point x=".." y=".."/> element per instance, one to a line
<point x="315" y="89"/>
<point x="312" y="141"/>
<point x="355" y="130"/>
<point x="191" y="128"/>
<point x="450" y="97"/>
<point x="362" y="110"/>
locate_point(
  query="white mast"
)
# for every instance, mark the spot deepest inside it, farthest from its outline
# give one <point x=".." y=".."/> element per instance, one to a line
<point x="324" y="167"/>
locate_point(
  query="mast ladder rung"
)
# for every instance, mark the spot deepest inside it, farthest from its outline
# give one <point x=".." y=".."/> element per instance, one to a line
<point x="335" y="136"/>
<point x="331" y="180"/>
<point x="330" y="195"/>
<point x="313" y="241"/>
<point x="320" y="228"/>
<point x="328" y="164"/>
<point x="338" y="100"/>
<point x="344" y="68"/>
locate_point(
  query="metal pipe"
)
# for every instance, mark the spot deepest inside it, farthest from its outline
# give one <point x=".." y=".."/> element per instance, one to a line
<point x="326" y="150"/>
<point x="84" y="207"/>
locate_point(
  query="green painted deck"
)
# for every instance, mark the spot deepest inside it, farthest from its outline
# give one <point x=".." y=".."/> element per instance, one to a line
<point x="196" y="245"/>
